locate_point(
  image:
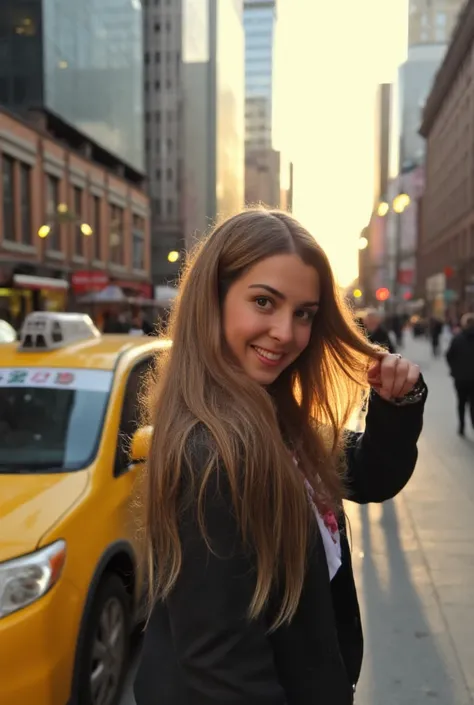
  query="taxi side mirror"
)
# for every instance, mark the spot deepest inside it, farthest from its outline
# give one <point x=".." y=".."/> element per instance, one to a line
<point x="140" y="445"/>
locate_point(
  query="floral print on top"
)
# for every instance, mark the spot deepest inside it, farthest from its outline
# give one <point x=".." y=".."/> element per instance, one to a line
<point x="329" y="530"/>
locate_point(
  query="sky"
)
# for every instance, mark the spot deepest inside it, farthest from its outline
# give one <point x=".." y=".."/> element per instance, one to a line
<point x="330" y="57"/>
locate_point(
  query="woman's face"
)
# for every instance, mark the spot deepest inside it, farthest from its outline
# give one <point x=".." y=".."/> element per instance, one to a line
<point x="268" y="315"/>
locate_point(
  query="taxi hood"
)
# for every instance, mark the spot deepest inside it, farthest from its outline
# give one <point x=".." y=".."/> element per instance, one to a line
<point x="31" y="504"/>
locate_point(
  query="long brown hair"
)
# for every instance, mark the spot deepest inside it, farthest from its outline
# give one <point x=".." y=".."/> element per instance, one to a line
<point x="250" y="428"/>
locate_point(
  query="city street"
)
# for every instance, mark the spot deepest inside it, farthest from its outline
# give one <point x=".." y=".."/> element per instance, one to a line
<point x="414" y="565"/>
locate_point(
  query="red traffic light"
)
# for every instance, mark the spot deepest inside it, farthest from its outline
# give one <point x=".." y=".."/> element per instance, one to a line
<point x="382" y="294"/>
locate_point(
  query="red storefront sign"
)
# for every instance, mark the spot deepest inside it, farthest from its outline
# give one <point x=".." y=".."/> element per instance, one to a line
<point x="83" y="282"/>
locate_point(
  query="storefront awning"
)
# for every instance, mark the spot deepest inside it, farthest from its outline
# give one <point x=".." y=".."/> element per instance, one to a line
<point x="27" y="281"/>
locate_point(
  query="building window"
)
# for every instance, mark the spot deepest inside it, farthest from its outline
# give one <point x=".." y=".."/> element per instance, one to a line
<point x="25" y="203"/>
<point x="168" y="26"/>
<point x="116" y="234"/>
<point x="157" y="27"/>
<point x="96" y="226"/>
<point x="158" y="174"/>
<point x="169" y="174"/>
<point x="8" y="178"/>
<point x="52" y="202"/>
<point x="138" y="243"/>
<point x="157" y="57"/>
<point x="157" y="206"/>
<point x="169" y="144"/>
<point x="168" y="83"/>
<point x="158" y="116"/>
<point x="78" y="237"/>
<point x="157" y="86"/>
<point x="147" y="57"/>
<point x="169" y="207"/>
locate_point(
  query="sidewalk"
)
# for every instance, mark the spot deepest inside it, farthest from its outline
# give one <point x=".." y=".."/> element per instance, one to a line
<point x="414" y="565"/>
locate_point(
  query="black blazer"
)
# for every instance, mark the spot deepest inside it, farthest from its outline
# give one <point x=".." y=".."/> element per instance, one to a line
<point x="199" y="647"/>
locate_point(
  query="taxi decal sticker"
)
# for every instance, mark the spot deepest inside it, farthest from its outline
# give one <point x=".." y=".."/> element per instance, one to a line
<point x="56" y="378"/>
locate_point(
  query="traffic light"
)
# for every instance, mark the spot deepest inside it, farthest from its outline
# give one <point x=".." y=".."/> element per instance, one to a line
<point x="382" y="294"/>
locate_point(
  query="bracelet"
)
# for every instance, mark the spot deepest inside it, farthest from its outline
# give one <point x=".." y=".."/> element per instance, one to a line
<point x="416" y="395"/>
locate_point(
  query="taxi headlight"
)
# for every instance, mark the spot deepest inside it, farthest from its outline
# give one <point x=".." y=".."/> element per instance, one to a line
<point x="24" y="580"/>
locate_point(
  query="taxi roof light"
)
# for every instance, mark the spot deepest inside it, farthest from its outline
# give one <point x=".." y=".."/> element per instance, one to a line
<point x="49" y="331"/>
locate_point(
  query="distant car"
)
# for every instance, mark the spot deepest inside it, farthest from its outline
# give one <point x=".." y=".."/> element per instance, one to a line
<point x="7" y="332"/>
<point x="71" y="578"/>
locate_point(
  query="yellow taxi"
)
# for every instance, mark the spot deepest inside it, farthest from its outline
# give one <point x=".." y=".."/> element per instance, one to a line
<point x="71" y="578"/>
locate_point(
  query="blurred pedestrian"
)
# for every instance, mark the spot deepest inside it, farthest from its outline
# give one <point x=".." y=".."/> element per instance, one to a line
<point x="139" y="325"/>
<point x="435" y="331"/>
<point x="460" y="357"/>
<point x="254" y="599"/>
<point x="376" y="331"/>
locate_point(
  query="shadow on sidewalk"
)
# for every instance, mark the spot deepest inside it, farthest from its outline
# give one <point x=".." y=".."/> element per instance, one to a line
<point x="403" y="664"/>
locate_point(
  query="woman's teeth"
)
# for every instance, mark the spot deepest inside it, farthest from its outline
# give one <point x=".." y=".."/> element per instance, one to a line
<point x="267" y="354"/>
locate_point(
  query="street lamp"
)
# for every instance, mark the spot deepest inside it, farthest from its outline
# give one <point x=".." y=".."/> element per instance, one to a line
<point x="399" y="204"/>
<point x="63" y="215"/>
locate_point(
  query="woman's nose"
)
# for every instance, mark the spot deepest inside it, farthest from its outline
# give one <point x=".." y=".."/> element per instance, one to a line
<point x="282" y="329"/>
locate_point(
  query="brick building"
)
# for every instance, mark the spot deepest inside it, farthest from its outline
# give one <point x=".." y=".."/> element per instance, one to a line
<point x="91" y="207"/>
<point x="446" y="245"/>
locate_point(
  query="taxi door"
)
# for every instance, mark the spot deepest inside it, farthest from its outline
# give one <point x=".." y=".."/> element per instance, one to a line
<point x="130" y="476"/>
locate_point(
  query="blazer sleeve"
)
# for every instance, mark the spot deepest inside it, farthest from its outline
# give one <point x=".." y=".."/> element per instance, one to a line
<point x="380" y="461"/>
<point x="226" y="659"/>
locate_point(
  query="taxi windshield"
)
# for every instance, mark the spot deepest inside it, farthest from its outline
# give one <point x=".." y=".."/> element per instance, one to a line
<point x="51" y="419"/>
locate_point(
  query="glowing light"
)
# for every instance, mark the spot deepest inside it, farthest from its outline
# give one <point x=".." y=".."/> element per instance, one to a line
<point x="86" y="229"/>
<point x="401" y="202"/>
<point x="382" y="294"/>
<point x="357" y="294"/>
<point x="44" y="231"/>
<point x="363" y="243"/>
<point x="173" y="256"/>
<point x="62" y="208"/>
<point x="383" y="209"/>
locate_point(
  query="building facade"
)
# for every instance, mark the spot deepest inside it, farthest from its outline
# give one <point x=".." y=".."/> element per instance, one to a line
<point x="260" y="27"/>
<point x="164" y="126"/>
<point x="373" y="260"/>
<point x="82" y="61"/>
<point x="446" y="256"/>
<point x="194" y="112"/>
<point x="432" y="21"/>
<point x="265" y="169"/>
<point x="213" y="113"/>
<point x="68" y="225"/>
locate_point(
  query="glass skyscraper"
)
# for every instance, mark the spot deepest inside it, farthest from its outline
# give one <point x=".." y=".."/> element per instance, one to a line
<point x="259" y="25"/>
<point x="82" y="60"/>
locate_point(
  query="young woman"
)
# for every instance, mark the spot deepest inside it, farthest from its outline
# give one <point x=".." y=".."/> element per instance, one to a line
<point x="253" y="594"/>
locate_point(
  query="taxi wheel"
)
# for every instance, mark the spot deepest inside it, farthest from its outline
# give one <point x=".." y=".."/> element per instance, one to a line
<point x="104" y="658"/>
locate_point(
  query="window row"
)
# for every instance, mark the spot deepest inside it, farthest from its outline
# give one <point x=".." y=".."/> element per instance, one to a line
<point x="159" y="55"/>
<point x="165" y="207"/>
<point x="168" y="145"/>
<point x="157" y="85"/>
<point x="82" y="216"/>
<point x="157" y="115"/>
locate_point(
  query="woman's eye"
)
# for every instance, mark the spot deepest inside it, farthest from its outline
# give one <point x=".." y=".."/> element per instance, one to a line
<point x="305" y="316"/>
<point x="263" y="302"/>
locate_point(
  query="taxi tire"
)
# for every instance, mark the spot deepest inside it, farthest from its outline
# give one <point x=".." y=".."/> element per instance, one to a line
<point x="111" y="586"/>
